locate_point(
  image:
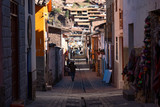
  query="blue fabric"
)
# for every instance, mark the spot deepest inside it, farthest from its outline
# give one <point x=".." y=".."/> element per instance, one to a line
<point x="109" y="72"/>
<point x="105" y="75"/>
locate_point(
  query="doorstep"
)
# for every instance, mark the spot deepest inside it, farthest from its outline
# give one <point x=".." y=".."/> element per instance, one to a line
<point x="17" y="103"/>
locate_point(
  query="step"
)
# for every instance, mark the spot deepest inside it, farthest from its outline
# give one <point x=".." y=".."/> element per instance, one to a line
<point x="129" y="95"/>
<point x="17" y="103"/>
<point x="48" y="87"/>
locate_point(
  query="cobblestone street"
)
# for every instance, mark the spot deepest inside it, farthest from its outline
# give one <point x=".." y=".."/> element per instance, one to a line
<point x="87" y="90"/>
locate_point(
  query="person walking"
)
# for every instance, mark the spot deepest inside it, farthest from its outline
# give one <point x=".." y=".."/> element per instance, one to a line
<point x="72" y="69"/>
<point x="86" y="60"/>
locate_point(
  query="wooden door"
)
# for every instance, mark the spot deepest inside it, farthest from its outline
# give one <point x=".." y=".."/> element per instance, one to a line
<point x="14" y="44"/>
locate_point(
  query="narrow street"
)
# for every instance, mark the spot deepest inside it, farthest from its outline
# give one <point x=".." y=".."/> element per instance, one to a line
<point x="87" y="90"/>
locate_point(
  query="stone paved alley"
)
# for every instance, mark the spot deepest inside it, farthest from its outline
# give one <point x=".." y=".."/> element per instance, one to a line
<point x="87" y="90"/>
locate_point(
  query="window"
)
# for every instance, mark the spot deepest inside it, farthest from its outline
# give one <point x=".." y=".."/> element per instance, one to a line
<point x="116" y="6"/>
<point x="131" y="36"/>
<point x="116" y="48"/>
<point x="30" y="7"/>
<point x="15" y="48"/>
<point x="121" y="19"/>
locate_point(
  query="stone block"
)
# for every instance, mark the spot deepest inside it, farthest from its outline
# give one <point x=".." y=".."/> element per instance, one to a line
<point x="23" y="94"/>
<point x="8" y="81"/>
<point x="6" y="21"/>
<point x="6" y="32"/>
<point x="21" y="43"/>
<point x="21" y="9"/>
<point x="8" y="93"/>
<point x="21" y="53"/>
<point x="5" y="63"/>
<point x="34" y="90"/>
<point x="6" y="3"/>
<point x="6" y="42"/>
<point x="22" y="34"/>
<point x="7" y="73"/>
<point x="40" y="63"/>
<point x="22" y="26"/>
<point x="10" y="62"/>
<point x="8" y="102"/>
<point x="23" y="74"/>
<point x="6" y="10"/>
<point x="6" y="52"/>
<point x="21" y="19"/>
<point x="22" y="58"/>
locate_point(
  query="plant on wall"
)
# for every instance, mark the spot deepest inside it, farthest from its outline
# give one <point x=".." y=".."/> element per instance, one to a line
<point x="56" y="11"/>
<point x="87" y="1"/>
<point x="67" y="14"/>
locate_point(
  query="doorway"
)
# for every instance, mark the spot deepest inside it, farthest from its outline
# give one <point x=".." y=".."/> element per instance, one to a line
<point x="14" y="44"/>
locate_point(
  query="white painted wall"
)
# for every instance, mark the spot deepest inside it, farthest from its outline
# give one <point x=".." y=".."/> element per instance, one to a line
<point x="118" y="32"/>
<point x="33" y="46"/>
<point x="69" y="5"/>
<point x="64" y="45"/>
<point x="135" y="11"/>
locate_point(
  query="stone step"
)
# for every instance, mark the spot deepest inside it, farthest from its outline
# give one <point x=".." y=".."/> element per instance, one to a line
<point x="128" y="95"/>
<point x="18" y="103"/>
<point x="49" y="87"/>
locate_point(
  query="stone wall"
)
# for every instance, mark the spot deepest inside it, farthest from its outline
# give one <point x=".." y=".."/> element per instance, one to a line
<point x="51" y="66"/>
<point x="7" y="59"/>
<point x="6" y="37"/>
<point x="55" y="36"/>
<point x="40" y="72"/>
<point x="22" y="54"/>
<point x="33" y="44"/>
<point x="61" y="64"/>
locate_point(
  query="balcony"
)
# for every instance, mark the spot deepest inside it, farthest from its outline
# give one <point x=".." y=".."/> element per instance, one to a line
<point x="41" y="2"/>
<point x="73" y="12"/>
<point x="81" y="19"/>
<point x="121" y="23"/>
<point x="84" y="13"/>
<point x="82" y="16"/>
<point x="83" y="23"/>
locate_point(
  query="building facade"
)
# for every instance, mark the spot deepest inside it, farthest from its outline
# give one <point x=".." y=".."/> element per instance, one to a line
<point x="109" y="37"/>
<point x="13" y="81"/>
<point x="30" y="48"/>
<point x="134" y="15"/>
<point x="41" y="17"/>
<point x="141" y="37"/>
<point x="118" y="43"/>
<point x="57" y="48"/>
